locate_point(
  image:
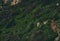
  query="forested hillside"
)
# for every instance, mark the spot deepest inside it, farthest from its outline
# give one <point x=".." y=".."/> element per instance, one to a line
<point x="29" y="20"/>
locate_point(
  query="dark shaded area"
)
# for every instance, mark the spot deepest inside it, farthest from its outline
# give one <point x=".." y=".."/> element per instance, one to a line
<point x="19" y="22"/>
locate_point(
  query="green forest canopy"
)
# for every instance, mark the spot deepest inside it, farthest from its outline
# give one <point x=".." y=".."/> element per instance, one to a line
<point x="18" y="22"/>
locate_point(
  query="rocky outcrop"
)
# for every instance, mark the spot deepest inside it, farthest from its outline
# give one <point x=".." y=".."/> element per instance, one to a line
<point x="12" y="2"/>
<point x="15" y="2"/>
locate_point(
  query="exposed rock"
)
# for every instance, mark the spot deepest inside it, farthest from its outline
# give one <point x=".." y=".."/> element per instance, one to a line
<point x="45" y="22"/>
<point x="56" y="39"/>
<point x="57" y="4"/>
<point x="13" y="2"/>
<point x="38" y="24"/>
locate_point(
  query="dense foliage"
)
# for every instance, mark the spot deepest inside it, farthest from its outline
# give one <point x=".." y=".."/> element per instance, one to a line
<point x="19" y="22"/>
